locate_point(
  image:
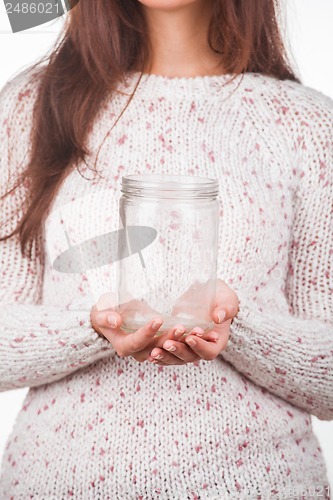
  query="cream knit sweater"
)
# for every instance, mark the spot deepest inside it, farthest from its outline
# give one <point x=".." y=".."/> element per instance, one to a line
<point x="97" y="426"/>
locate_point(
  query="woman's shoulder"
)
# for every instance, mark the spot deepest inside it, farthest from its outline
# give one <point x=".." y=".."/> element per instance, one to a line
<point x="16" y="105"/>
<point x="294" y="97"/>
<point x="301" y="117"/>
<point x="17" y="95"/>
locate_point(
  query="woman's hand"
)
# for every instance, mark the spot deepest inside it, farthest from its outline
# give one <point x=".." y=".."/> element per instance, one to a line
<point x="199" y="345"/>
<point x="139" y="344"/>
<point x="171" y="347"/>
<point x="194" y="346"/>
<point x="107" y="324"/>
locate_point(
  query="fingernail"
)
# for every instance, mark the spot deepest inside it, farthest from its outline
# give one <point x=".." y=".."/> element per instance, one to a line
<point x="172" y="348"/>
<point x="113" y="320"/>
<point x="157" y="324"/>
<point x="179" y="332"/>
<point x="159" y="356"/>
<point x="221" y="316"/>
<point x="197" y="331"/>
<point x="191" y="342"/>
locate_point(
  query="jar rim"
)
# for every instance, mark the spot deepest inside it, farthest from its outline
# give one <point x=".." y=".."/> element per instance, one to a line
<point x="168" y="184"/>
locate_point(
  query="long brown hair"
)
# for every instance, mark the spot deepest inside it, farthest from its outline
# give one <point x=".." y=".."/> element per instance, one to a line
<point x="101" y="41"/>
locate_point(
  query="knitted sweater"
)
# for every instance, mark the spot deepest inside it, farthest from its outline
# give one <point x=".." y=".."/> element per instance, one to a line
<point x="97" y="426"/>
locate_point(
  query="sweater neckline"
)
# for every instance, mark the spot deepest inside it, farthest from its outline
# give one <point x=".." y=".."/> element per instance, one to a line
<point x="174" y="86"/>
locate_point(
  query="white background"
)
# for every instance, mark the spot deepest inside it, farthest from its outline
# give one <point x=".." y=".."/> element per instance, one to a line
<point x="309" y="38"/>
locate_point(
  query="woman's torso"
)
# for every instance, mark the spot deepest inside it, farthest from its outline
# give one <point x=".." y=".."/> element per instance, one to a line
<point x="121" y="429"/>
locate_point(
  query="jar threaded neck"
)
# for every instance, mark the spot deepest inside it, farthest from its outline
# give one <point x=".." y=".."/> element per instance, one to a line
<point x="170" y="186"/>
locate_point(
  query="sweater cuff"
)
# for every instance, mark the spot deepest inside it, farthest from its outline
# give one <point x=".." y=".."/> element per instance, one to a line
<point x="244" y="308"/>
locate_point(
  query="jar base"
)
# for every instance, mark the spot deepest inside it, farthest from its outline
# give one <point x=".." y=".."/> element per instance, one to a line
<point x="168" y="323"/>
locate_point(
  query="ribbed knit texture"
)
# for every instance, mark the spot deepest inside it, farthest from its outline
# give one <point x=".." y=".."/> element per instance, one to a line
<point x="97" y="426"/>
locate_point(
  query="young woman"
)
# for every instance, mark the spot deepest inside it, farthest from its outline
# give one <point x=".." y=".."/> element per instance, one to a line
<point x="193" y="87"/>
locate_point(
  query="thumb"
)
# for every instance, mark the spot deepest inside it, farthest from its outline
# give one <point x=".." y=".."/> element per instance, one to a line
<point x="226" y="303"/>
<point x="107" y="318"/>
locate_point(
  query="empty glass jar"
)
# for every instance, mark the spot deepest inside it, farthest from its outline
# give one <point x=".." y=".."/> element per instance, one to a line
<point x="167" y="250"/>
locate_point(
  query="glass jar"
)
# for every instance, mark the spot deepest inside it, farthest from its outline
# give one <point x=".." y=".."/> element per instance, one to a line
<point x="168" y="250"/>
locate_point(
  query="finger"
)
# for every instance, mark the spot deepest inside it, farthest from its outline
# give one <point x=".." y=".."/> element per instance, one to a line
<point x="173" y="333"/>
<point x="211" y="336"/>
<point x="157" y="341"/>
<point x="167" y="360"/>
<point x="207" y="350"/>
<point x="172" y="349"/>
<point x="178" y="357"/>
<point x="176" y="332"/>
<point x="128" y="343"/>
<point x="217" y="331"/>
<point x="137" y="341"/>
<point x="140" y="356"/>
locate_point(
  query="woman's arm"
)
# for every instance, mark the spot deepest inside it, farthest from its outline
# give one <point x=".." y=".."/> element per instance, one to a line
<point x="38" y="344"/>
<point x="291" y="355"/>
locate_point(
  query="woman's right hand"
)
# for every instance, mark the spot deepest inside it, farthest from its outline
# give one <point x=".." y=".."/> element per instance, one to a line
<point x="139" y="344"/>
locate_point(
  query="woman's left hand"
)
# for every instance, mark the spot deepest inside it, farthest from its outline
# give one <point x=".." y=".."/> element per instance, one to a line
<point x="197" y="344"/>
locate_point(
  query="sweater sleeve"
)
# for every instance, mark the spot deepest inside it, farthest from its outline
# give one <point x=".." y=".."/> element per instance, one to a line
<point x="291" y="355"/>
<point x="38" y="344"/>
